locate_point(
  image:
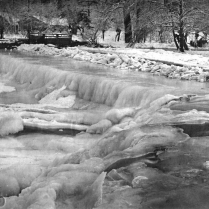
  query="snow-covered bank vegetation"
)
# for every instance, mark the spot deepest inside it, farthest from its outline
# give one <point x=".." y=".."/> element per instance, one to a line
<point x="161" y="63"/>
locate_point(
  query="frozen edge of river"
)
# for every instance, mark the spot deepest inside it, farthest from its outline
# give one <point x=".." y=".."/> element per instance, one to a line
<point x="160" y="63"/>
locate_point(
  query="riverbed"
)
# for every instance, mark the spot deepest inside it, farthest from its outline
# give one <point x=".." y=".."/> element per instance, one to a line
<point x="81" y="135"/>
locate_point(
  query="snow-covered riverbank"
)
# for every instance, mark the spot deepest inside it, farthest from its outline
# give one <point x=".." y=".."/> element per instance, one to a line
<point x="158" y="62"/>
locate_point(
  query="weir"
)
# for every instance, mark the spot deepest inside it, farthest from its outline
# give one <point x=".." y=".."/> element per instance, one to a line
<point x="99" y="142"/>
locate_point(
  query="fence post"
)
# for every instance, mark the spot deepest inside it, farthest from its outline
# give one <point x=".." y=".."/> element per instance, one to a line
<point x="43" y="39"/>
<point x="57" y="37"/>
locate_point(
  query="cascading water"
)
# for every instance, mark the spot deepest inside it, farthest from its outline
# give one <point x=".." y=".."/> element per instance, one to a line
<point x="74" y="140"/>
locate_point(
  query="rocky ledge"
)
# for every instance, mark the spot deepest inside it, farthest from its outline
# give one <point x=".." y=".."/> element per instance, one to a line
<point x="160" y="63"/>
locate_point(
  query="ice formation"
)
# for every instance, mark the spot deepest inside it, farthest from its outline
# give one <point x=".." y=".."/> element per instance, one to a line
<point x="4" y="88"/>
<point x="129" y="155"/>
<point x="159" y="62"/>
<point x="10" y="123"/>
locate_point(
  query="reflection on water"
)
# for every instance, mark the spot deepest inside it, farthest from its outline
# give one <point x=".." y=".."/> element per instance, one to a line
<point x="126" y="159"/>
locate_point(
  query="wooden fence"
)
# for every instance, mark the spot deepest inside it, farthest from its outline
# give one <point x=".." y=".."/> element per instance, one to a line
<point x="60" y="40"/>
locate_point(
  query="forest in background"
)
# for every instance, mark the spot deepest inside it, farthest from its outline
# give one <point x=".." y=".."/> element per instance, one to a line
<point x="139" y="19"/>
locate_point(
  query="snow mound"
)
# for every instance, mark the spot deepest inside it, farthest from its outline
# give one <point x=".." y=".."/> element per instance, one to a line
<point x="52" y="99"/>
<point x="10" y="123"/>
<point x="4" y="88"/>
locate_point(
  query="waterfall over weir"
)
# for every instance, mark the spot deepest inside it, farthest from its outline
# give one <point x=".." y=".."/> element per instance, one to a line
<point x="71" y="140"/>
<point x="89" y="88"/>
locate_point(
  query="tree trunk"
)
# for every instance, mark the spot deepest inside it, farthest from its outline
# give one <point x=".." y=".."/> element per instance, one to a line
<point x="181" y="37"/>
<point x="128" y="29"/>
<point x="185" y="42"/>
<point x="28" y="35"/>
<point x="161" y="36"/>
<point x="181" y="26"/>
<point x="1" y="33"/>
<point x="175" y="41"/>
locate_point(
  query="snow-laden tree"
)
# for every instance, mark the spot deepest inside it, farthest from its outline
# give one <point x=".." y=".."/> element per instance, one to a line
<point x="25" y="13"/>
<point x="185" y="16"/>
<point x="76" y="12"/>
<point x="142" y="17"/>
<point x="7" y="18"/>
<point x="104" y="16"/>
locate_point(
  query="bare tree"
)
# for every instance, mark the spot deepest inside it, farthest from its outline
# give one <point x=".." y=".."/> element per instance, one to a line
<point x="183" y="15"/>
<point x="180" y="16"/>
<point x="76" y="13"/>
<point x="6" y="17"/>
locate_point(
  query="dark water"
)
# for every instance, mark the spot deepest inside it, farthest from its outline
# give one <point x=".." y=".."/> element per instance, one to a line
<point x="61" y="132"/>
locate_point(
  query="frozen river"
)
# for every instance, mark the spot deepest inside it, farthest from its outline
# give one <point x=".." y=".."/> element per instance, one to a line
<point x="82" y="67"/>
<point x="80" y="135"/>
